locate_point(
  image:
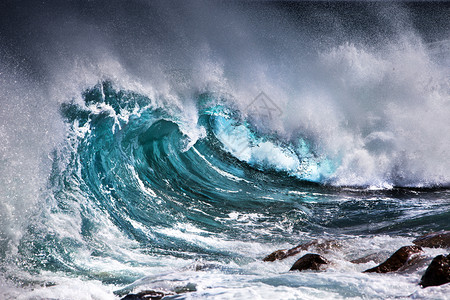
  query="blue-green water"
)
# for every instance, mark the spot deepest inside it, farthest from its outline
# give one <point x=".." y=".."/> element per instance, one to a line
<point x="139" y="195"/>
<point x="155" y="150"/>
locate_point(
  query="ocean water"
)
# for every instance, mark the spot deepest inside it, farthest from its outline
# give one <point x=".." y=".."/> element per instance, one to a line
<point x="173" y="145"/>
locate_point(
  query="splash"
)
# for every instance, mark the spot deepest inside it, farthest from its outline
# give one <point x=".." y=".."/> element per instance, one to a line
<point x="134" y="139"/>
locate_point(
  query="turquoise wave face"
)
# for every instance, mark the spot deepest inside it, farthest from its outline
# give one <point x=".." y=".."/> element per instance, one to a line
<point x="126" y="182"/>
<point x="126" y="166"/>
<point x="265" y="152"/>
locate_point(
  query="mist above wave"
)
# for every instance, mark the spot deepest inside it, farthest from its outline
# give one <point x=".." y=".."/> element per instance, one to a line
<point x="364" y="89"/>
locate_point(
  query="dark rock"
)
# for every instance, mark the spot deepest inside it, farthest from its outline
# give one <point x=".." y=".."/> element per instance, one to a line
<point x="438" y="272"/>
<point x="278" y="255"/>
<point x="146" y="295"/>
<point x="397" y="260"/>
<point x="309" y="262"/>
<point x="434" y="240"/>
<point x="318" y="244"/>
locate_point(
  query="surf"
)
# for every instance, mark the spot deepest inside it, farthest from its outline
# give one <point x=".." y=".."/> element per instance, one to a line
<point x="144" y="146"/>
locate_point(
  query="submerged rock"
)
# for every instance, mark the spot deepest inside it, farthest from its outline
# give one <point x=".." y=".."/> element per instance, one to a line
<point x="146" y="295"/>
<point x="309" y="261"/>
<point x="365" y="259"/>
<point x="397" y="260"/>
<point x="278" y="255"/>
<point x="318" y="244"/>
<point x="434" y="240"/>
<point x="438" y="272"/>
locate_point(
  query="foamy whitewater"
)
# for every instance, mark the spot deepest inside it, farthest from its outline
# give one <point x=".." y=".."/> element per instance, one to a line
<point x="172" y="145"/>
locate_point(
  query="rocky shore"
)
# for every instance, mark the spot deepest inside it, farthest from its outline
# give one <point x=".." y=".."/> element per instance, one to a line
<point x="437" y="273"/>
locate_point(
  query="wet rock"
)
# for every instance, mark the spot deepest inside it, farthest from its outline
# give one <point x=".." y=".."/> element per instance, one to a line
<point x="146" y="295"/>
<point x="397" y="260"/>
<point x="279" y="255"/>
<point x="309" y="261"/>
<point x="318" y="244"/>
<point x="438" y="272"/>
<point x="434" y="240"/>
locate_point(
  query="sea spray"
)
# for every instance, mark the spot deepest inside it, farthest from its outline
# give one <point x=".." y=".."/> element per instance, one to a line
<point x="118" y="164"/>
